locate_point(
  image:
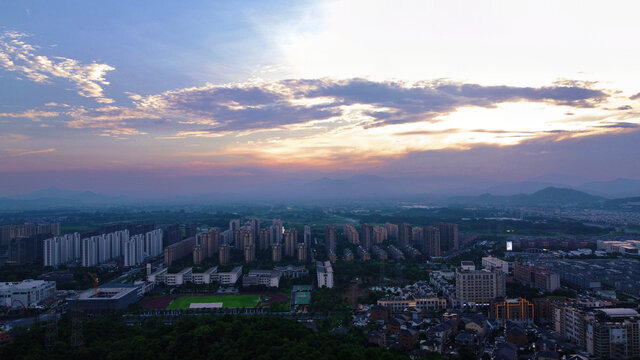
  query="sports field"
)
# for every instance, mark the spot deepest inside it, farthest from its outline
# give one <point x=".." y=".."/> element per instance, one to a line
<point x="228" y="301"/>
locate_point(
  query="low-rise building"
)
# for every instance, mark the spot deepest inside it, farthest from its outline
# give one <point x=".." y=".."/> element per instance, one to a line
<point x="230" y="277"/>
<point x="490" y="262"/>
<point x="517" y="310"/>
<point x="27" y="293"/>
<point x="614" y="334"/>
<point x="325" y="274"/>
<point x="109" y="297"/>
<point x="268" y="278"/>
<point x="398" y="304"/>
<point x="292" y="271"/>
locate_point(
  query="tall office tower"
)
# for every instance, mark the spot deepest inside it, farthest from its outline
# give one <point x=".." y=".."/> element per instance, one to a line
<point x="392" y="230"/>
<point x="234" y="225"/>
<point x="431" y="241"/>
<point x="379" y="234"/>
<point x="249" y="253"/>
<point x="198" y="254"/>
<point x="366" y="237"/>
<point x="351" y="234"/>
<point x="404" y="234"/>
<point x="89" y="252"/>
<point x="255" y="225"/>
<point x="330" y="238"/>
<point x="276" y="252"/>
<point x="290" y="241"/>
<point x="224" y="254"/>
<point x="214" y="242"/>
<point x="264" y="239"/>
<point x="301" y="252"/>
<point x="448" y="237"/>
<point x="307" y="235"/>
<point x="417" y="237"/>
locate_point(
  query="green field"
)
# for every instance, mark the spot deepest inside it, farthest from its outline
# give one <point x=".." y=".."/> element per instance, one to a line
<point x="228" y="301"/>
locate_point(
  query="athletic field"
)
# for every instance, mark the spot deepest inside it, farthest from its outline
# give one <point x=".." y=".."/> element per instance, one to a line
<point x="228" y="301"/>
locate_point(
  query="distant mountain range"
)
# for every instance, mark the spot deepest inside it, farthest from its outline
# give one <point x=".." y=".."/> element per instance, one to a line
<point x="54" y="197"/>
<point x="550" y="196"/>
<point x="543" y="191"/>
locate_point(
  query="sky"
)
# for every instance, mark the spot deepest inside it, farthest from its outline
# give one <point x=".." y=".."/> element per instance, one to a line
<point x="155" y="97"/>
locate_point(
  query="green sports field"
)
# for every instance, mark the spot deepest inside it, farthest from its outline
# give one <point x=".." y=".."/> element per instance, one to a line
<point x="228" y="301"/>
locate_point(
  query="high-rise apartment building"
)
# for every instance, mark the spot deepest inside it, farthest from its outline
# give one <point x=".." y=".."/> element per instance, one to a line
<point x="179" y="250"/>
<point x="234" y="225"/>
<point x="224" y="254"/>
<point x="404" y="234"/>
<point x="301" y="252"/>
<point x="351" y="234"/>
<point x="290" y="242"/>
<point x="264" y="239"/>
<point x="379" y="234"/>
<point x="249" y="253"/>
<point x="392" y="230"/>
<point x="307" y="235"/>
<point x="367" y="236"/>
<point x="431" y="241"/>
<point x="276" y="252"/>
<point x="277" y="231"/>
<point x="417" y="237"/>
<point x="479" y="286"/>
<point x="255" y="226"/>
<point x="448" y="237"/>
<point x="330" y="238"/>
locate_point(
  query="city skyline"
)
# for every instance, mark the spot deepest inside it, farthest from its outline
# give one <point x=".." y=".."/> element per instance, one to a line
<point x="136" y="99"/>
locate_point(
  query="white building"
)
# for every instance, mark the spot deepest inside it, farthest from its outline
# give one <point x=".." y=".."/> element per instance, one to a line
<point x="325" y="274"/>
<point x="27" y="293"/>
<point x="153" y="243"/>
<point x="206" y="277"/>
<point x="231" y="277"/>
<point x="268" y="278"/>
<point x="134" y="250"/>
<point x="489" y="262"/>
<point x="61" y="249"/>
<point x="90" y="251"/>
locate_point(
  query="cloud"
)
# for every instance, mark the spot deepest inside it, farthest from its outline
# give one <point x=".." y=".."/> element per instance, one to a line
<point x="113" y="120"/>
<point x="31" y="114"/>
<point x="635" y="97"/>
<point x="11" y="152"/>
<point x="12" y="137"/>
<point x="18" y="56"/>
<point x="281" y="104"/>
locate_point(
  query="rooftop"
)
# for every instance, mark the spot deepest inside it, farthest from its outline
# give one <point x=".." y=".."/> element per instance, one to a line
<point x="619" y="312"/>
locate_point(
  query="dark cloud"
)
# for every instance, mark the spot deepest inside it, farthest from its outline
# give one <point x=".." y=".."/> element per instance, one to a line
<point x="635" y="97"/>
<point x="621" y="125"/>
<point x="271" y="105"/>
<point x="626" y="107"/>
